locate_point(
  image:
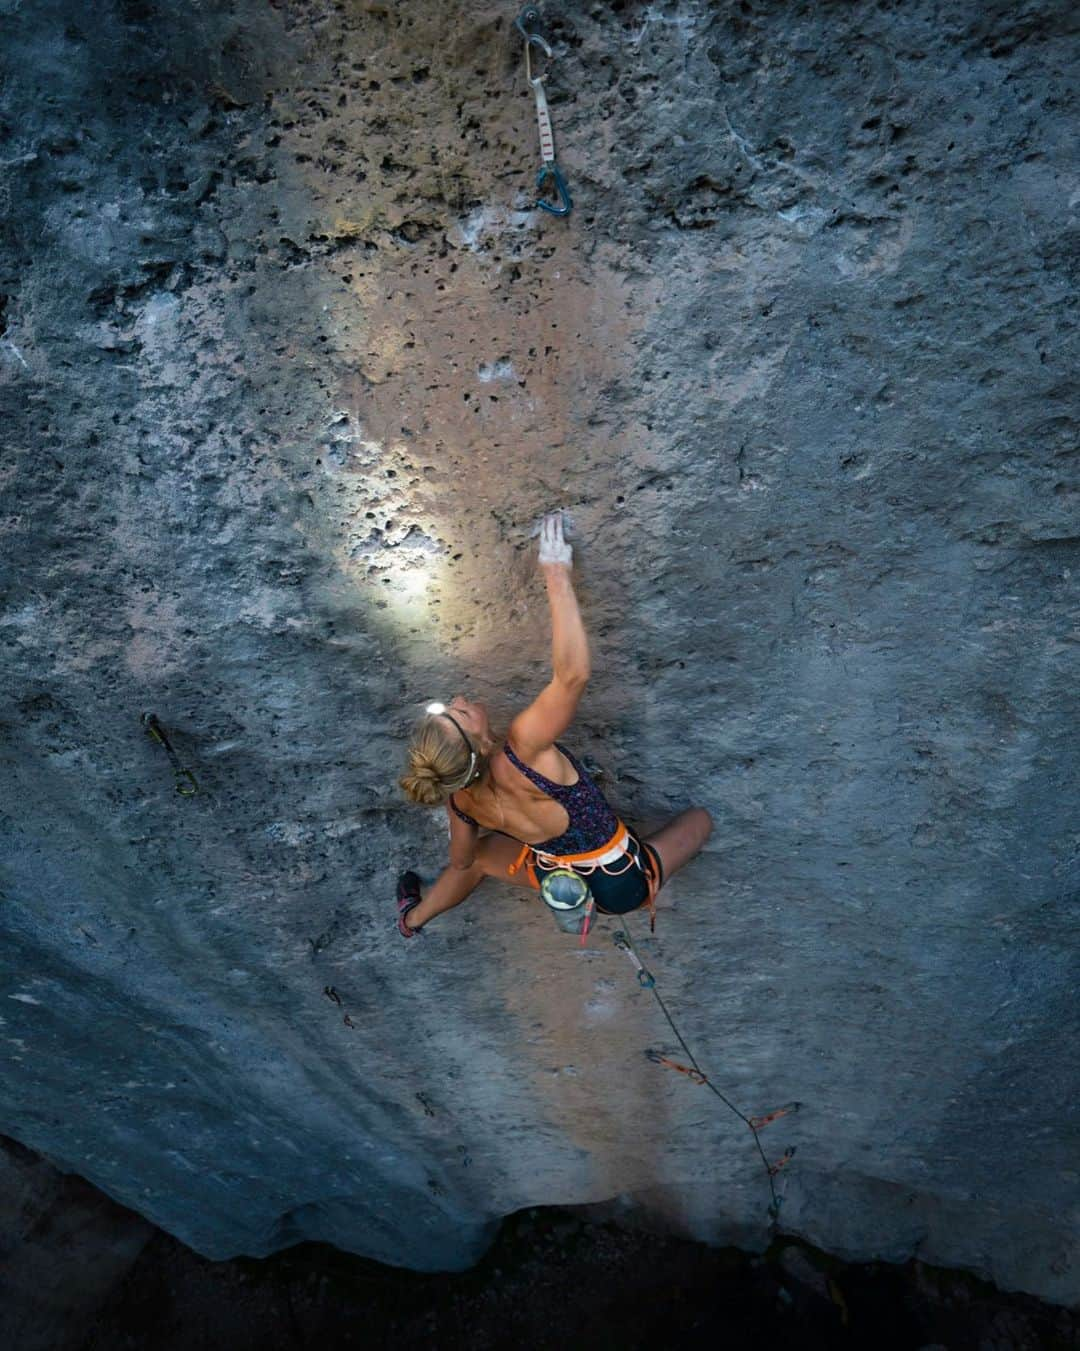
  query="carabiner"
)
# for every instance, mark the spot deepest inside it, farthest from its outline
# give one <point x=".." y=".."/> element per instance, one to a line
<point x="539" y="41"/>
<point x="565" y="200"/>
<point x="530" y="14"/>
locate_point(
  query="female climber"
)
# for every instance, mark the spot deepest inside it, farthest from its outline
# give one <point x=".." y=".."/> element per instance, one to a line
<point x="542" y="809"/>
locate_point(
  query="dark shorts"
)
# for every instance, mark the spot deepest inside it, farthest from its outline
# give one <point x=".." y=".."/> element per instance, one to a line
<point x="628" y="890"/>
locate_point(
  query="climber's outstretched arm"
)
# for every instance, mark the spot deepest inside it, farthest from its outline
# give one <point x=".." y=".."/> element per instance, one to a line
<point x="552" y="712"/>
<point x="570" y="661"/>
<point x="569" y="643"/>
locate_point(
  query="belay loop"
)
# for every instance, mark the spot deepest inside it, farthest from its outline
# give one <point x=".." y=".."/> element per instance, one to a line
<point x="548" y="170"/>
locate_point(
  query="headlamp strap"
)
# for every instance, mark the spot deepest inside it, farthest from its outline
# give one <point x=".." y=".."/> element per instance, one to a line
<point x="471" y="772"/>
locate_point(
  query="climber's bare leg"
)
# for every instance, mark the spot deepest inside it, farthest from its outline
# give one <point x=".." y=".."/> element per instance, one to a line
<point x="681" y="839"/>
<point x="494" y="855"/>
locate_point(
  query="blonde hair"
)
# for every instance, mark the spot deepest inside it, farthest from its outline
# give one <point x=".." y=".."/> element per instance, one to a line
<point x="438" y="762"/>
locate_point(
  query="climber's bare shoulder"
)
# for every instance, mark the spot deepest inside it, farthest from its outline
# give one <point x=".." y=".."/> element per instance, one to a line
<point x="534" y="731"/>
<point x="550" y="762"/>
<point x="512" y="805"/>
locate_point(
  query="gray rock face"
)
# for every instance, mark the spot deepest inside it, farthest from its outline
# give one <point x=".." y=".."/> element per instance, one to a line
<point x="290" y="365"/>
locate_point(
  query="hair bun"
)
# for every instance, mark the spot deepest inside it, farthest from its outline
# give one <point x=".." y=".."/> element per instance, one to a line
<point x="422" y="784"/>
<point x="438" y="764"/>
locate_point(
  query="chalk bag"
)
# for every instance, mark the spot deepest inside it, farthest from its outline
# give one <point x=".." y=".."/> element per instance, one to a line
<point x="566" y="893"/>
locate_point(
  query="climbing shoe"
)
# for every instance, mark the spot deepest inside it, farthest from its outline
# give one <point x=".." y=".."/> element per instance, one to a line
<point x="408" y="897"/>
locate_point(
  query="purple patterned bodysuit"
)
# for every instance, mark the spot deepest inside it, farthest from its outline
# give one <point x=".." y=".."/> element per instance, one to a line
<point x="592" y="822"/>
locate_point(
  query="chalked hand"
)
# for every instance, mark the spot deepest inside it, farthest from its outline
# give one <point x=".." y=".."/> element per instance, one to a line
<point x="553" y="546"/>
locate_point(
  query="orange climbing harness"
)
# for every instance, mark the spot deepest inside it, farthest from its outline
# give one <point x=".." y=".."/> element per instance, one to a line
<point x="619" y="847"/>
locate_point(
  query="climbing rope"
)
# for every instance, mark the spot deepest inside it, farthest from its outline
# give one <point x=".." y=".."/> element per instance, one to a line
<point x="524" y="22"/>
<point x="624" y="941"/>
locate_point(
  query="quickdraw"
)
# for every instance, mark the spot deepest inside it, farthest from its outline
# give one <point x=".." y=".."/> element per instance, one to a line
<point x="645" y="977"/>
<point x="186" y="785"/>
<point x="529" y="16"/>
<point x="758" y="1123"/>
<point x="695" y="1076"/>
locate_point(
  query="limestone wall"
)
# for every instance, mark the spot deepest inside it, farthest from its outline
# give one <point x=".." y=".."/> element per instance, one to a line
<point x="290" y="365"/>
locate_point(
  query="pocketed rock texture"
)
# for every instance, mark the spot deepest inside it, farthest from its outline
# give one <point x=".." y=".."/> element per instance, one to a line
<point x="289" y="367"/>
